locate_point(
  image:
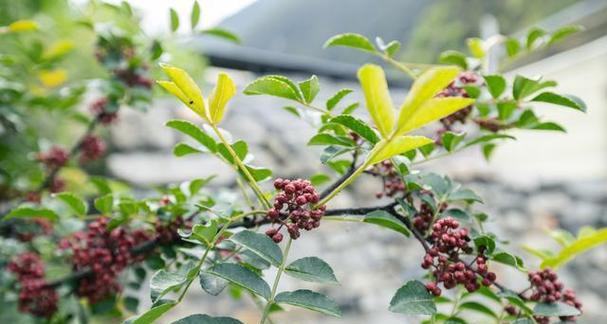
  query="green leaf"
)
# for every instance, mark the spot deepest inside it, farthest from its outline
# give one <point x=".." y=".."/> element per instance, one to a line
<point x="561" y="100"/>
<point x="194" y="132"/>
<point x="391" y="48"/>
<point x="453" y="57"/>
<point x="222" y="33"/>
<point x="156" y="50"/>
<point x="224" y="90"/>
<point x="357" y="126"/>
<point x="153" y="314"/>
<point x="333" y="101"/>
<point x="259" y="174"/>
<point x="240" y="147"/>
<point x="104" y="204"/>
<point x="205" y="232"/>
<point x="486" y="242"/>
<point x="464" y="194"/>
<point x="328" y="139"/>
<point x="509" y="259"/>
<point x="197" y="184"/>
<point x="273" y="85"/>
<point x="259" y="244"/>
<point x="524" y="87"/>
<point x="310" y="300"/>
<point x="533" y="35"/>
<point x="350" y="109"/>
<point x="311" y="269"/>
<point x="242" y="277"/>
<point x="351" y="40"/>
<point x="174" y="20"/>
<point x="195" y="15"/>
<point x="310" y="88"/>
<point x="162" y="282"/>
<point x="515" y="300"/>
<point x="182" y="149"/>
<point x="555" y="309"/>
<point x="76" y="204"/>
<point x="206" y="319"/>
<point x="399" y="145"/>
<point x="379" y="104"/>
<point x="451" y="140"/>
<point x="385" y="219"/>
<point x="496" y="84"/>
<point x="582" y="244"/>
<point x="319" y="179"/>
<point x="488" y="138"/>
<point x="564" y="32"/>
<point x="512" y="46"/>
<point x="478" y="307"/>
<point x="212" y="284"/>
<point x="27" y="212"/>
<point x="413" y="299"/>
<point x="433" y="110"/>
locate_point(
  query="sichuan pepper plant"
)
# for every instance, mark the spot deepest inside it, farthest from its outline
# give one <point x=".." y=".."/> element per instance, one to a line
<point x="78" y="259"/>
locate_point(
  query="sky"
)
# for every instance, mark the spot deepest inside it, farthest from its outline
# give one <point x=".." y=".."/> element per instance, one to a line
<point x="155" y="13"/>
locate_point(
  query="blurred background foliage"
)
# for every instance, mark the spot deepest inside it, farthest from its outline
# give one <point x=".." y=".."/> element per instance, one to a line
<point x="446" y="24"/>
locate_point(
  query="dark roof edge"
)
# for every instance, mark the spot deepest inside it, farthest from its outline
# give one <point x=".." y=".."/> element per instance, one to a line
<point x="268" y="62"/>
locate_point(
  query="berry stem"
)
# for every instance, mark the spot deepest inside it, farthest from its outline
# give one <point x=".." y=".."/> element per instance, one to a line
<point x="247" y="175"/>
<point x="281" y="269"/>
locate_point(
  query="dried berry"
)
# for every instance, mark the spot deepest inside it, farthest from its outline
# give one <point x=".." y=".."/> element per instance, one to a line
<point x="293" y="208"/>
<point x="35" y="296"/>
<point x="100" y="109"/>
<point x="392" y="182"/>
<point x="55" y="157"/>
<point x="92" y="148"/>
<point x="456" y="89"/>
<point x="106" y="252"/>
<point x="546" y="288"/>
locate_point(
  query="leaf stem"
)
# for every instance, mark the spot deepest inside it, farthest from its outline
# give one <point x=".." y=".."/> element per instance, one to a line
<point x="398" y="65"/>
<point x="250" y="180"/>
<point x="281" y="269"/>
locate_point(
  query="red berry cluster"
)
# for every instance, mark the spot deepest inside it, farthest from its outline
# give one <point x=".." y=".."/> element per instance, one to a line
<point x="35" y="297"/>
<point x="92" y="148"/>
<point x="293" y="208"/>
<point x="392" y="183"/>
<point x="167" y="232"/>
<point x="546" y="288"/>
<point x="99" y="109"/>
<point x="448" y="242"/>
<point x="55" y="157"/>
<point x="133" y="78"/>
<point x="57" y="185"/>
<point x="455" y="89"/>
<point x="106" y="252"/>
<point x="425" y="216"/>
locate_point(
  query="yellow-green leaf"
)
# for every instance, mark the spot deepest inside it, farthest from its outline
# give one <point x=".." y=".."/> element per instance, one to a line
<point x="22" y="25"/>
<point x="188" y="87"/>
<point x="379" y="104"/>
<point x="172" y="88"/>
<point x="223" y="92"/>
<point x="432" y="110"/>
<point x="580" y="245"/>
<point x="398" y="145"/>
<point x="425" y="87"/>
